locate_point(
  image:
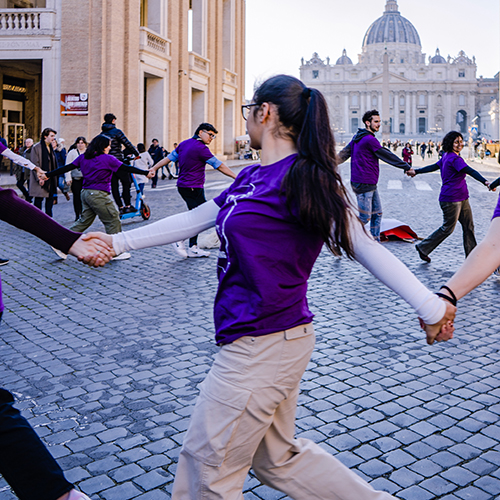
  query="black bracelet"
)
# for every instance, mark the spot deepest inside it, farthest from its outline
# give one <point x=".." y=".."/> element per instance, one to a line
<point x="450" y="291"/>
<point x="446" y="297"/>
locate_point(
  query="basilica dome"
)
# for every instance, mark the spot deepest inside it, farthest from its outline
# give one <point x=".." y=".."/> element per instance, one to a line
<point x="392" y="27"/>
<point x="344" y="59"/>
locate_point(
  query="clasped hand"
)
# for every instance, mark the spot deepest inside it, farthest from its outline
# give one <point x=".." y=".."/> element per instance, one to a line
<point x="94" y="249"/>
<point x="443" y="330"/>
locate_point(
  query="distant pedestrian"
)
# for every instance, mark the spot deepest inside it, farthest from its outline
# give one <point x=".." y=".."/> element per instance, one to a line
<point x="193" y="154"/>
<point x="76" y="179"/>
<point x="62" y="181"/>
<point x="407" y="153"/>
<point x="144" y="162"/>
<point x="22" y="173"/>
<point x="423" y="148"/>
<point x="119" y="139"/>
<point x="156" y="153"/>
<point x="453" y="198"/>
<point x="430" y="149"/>
<point x="42" y="155"/>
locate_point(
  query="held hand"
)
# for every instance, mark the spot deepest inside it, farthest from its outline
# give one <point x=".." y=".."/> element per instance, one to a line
<point x="411" y="172"/>
<point x="488" y="185"/>
<point x="494" y="184"/>
<point x="151" y="173"/>
<point x="92" y="249"/>
<point x="443" y="330"/>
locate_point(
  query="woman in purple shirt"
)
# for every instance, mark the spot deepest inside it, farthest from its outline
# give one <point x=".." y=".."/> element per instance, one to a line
<point x="97" y="167"/>
<point x="454" y="196"/>
<point x="272" y="223"/>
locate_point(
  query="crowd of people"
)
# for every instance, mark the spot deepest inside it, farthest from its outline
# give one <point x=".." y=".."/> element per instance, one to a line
<point x="294" y="199"/>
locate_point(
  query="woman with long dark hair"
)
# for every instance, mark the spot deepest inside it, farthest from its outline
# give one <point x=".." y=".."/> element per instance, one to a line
<point x="272" y="223"/>
<point x="453" y="198"/>
<point x="97" y="167"/>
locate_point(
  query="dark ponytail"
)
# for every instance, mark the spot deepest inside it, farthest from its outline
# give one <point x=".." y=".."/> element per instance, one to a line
<point x="313" y="183"/>
<point x="97" y="146"/>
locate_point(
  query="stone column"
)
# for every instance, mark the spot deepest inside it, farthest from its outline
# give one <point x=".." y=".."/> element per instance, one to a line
<point x="347" y="126"/>
<point x="395" y="120"/>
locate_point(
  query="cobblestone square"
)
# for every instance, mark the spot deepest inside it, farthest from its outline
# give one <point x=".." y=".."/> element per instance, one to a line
<point x="105" y="363"/>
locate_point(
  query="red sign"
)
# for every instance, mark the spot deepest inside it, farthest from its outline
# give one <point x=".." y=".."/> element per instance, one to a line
<point x="74" y="104"/>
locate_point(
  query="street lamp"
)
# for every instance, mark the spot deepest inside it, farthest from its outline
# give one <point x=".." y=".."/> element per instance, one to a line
<point x="434" y="130"/>
<point x="339" y="131"/>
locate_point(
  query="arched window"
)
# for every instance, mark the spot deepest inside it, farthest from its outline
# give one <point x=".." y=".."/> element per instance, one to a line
<point x="462" y="121"/>
<point x="401" y="100"/>
<point x="354" y="125"/>
<point x="439" y="99"/>
<point x="421" y="125"/>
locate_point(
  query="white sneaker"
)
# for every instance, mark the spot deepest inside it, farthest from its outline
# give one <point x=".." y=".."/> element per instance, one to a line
<point x="194" y="251"/>
<point x="60" y="254"/>
<point x="180" y="248"/>
<point x="122" y="256"/>
<point x="77" y="495"/>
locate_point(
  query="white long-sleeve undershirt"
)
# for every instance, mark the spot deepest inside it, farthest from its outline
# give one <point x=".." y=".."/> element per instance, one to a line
<point x="372" y="255"/>
<point x="18" y="159"/>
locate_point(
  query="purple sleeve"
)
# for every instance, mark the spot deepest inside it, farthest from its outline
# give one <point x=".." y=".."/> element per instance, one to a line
<point x="27" y="217"/>
<point x="205" y="154"/>
<point x="114" y="163"/>
<point x="496" y="213"/>
<point x="2" y="148"/>
<point x="221" y="199"/>
<point x="374" y="144"/>
<point x="459" y="163"/>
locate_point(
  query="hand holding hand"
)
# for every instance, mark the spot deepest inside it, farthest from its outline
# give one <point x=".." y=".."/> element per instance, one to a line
<point x="93" y="249"/>
<point x="493" y="185"/>
<point x="443" y="330"/>
<point x="152" y="173"/>
<point x="411" y="172"/>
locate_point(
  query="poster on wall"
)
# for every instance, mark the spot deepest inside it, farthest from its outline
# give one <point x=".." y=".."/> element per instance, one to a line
<point x="74" y="104"/>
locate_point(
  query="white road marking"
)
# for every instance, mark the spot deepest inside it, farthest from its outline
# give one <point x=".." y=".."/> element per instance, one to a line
<point x="422" y="186"/>
<point x="394" y="184"/>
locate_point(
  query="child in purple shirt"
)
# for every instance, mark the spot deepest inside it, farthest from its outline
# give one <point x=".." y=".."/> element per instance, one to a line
<point x="453" y="198"/>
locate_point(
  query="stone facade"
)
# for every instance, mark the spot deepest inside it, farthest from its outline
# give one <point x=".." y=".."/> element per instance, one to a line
<point x="427" y="96"/>
<point x="161" y="66"/>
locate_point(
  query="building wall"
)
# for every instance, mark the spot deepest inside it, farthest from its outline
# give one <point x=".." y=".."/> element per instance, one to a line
<point x="131" y="57"/>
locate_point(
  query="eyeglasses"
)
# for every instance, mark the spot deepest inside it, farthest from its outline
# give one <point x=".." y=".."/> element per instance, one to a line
<point x="210" y="134"/>
<point x="245" y="109"/>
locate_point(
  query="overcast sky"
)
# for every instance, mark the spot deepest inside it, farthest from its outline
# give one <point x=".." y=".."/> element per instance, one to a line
<point x="280" y="32"/>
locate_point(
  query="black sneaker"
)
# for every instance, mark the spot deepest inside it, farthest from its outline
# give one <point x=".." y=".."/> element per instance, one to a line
<point x="422" y="255"/>
<point x="3" y="262"/>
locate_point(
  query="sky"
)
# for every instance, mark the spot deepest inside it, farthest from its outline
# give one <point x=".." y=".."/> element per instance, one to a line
<point x="280" y="32"/>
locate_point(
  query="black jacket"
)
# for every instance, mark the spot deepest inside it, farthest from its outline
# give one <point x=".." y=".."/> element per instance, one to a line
<point x="117" y="139"/>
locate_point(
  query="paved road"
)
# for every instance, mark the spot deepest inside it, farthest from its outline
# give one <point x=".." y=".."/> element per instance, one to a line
<point x="105" y="363"/>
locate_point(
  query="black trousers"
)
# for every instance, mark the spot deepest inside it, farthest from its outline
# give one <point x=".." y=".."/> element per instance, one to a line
<point x="25" y="462"/>
<point x="194" y="197"/>
<point x="76" y="189"/>
<point x="49" y="202"/>
<point x="20" y="186"/>
<point x="126" y="180"/>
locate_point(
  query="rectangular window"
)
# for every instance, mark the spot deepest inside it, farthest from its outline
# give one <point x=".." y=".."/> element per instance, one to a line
<point x="354" y="125"/>
<point x="315" y="73"/>
<point x="461" y="73"/>
<point x="421" y="126"/>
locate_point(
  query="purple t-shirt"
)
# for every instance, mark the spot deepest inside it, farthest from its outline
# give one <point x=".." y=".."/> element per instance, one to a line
<point x="364" y="163"/>
<point x="98" y="171"/>
<point x="265" y="258"/>
<point x="454" y="186"/>
<point x="2" y="148"/>
<point x="496" y="213"/>
<point x="193" y="155"/>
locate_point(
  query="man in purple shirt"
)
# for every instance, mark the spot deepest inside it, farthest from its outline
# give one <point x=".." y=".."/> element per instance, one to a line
<point x="365" y="152"/>
<point x="193" y="154"/>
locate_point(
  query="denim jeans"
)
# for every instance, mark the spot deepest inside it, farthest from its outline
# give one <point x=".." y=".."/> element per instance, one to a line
<point x="25" y="462"/>
<point x="370" y="209"/>
<point x="453" y="212"/>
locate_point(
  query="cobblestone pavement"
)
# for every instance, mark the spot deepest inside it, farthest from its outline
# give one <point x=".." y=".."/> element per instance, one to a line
<point x="105" y="362"/>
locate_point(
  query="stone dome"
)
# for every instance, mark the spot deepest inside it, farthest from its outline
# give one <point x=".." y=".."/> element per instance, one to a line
<point x="344" y="59"/>
<point x="438" y="58"/>
<point x="392" y="27"/>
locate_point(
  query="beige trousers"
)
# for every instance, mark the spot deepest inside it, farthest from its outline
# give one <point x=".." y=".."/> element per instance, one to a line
<point x="245" y="417"/>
